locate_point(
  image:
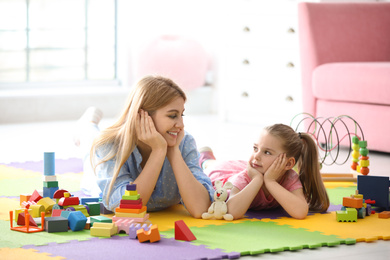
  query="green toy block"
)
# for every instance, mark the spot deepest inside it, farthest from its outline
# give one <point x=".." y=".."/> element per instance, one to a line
<point x="347" y="215"/>
<point x="94" y="208"/>
<point x="131" y="197"/>
<point x="363" y="151"/>
<point x="355" y="140"/>
<point x="363" y="144"/>
<point x="100" y="219"/>
<point x="50" y="184"/>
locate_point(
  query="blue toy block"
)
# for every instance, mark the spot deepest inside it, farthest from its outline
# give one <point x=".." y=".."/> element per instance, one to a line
<point x="49" y="192"/>
<point x="48" y="163"/>
<point x="84" y="201"/>
<point x="65" y="213"/>
<point x="375" y="188"/>
<point x="77" y="220"/>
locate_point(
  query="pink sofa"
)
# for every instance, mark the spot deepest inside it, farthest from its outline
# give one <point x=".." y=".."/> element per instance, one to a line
<point x="345" y="61"/>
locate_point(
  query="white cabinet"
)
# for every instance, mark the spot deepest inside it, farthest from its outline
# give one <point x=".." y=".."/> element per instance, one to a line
<point x="259" y="76"/>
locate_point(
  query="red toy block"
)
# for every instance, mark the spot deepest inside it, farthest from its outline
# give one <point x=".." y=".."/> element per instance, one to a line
<point x="59" y="194"/>
<point x="56" y="212"/>
<point x="384" y="214"/>
<point x="35" y="196"/>
<point x="138" y="201"/>
<point x="153" y="235"/>
<point x="69" y="201"/>
<point x="130" y="206"/>
<point x="352" y="202"/>
<point x="22" y="221"/>
<point x="368" y="201"/>
<point x="182" y="231"/>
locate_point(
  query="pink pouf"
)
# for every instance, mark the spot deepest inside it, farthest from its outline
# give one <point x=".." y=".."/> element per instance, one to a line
<point x="182" y="59"/>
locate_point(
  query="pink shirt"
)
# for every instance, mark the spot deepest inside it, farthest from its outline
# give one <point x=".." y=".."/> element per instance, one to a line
<point x="236" y="173"/>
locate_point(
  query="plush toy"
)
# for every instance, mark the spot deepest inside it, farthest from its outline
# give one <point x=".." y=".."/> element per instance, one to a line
<point x="218" y="208"/>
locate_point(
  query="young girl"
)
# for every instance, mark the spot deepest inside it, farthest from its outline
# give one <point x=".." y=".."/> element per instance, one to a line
<point x="268" y="179"/>
<point x="148" y="146"/>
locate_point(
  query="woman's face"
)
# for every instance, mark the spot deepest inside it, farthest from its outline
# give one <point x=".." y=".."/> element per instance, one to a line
<point x="168" y="120"/>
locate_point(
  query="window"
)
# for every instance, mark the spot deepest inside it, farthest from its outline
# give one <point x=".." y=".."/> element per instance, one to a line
<point x="58" y="40"/>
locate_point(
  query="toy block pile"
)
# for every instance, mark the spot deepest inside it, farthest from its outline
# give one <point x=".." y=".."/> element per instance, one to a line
<point x="131" y="206"/>
<point x="354" y="207"/>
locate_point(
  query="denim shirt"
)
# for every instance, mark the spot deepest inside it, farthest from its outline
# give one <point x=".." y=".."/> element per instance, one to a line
<point x="166" y="192"/>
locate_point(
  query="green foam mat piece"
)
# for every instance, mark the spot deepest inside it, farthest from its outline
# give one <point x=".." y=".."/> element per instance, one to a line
<point x="14" y="239"/>
<point x="257" y="237"/>
<point x="336" y="195"/>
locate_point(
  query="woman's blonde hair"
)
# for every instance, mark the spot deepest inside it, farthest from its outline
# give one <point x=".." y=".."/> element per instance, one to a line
<point x="302" y="147"/>
<point x="150" y="94"/>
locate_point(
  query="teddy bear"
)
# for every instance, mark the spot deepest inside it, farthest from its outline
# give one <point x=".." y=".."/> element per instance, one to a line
<point x="218" y="208"/>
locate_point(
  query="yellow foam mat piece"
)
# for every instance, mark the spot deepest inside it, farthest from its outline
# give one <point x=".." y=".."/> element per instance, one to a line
<point x="166" y="219"/>
<point x="369" y="229"/>
<point x="20" y="253"/>
<point x="6" y="205"/>
<point x="7" y="172"/>
<point x="332" y="185"/>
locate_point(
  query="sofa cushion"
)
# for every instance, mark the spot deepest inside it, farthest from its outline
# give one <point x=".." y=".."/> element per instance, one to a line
<point x="362" y="82"/>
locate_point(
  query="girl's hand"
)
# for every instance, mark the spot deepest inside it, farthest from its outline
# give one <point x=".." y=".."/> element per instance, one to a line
<point x="277" y="168"/>
<point x="147" y="133"/>
<point x="253" y="173"/>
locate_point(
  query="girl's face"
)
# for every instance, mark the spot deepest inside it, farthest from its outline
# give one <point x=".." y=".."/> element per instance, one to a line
<point x="265" y="151"/>
<point x="168" y="120"/>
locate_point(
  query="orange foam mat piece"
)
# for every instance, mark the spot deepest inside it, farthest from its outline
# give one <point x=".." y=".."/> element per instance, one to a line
<point x="368" y="229"/>
<point x="20" y="253"/>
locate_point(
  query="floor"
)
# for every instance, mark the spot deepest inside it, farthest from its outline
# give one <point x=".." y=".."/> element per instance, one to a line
<point x="28" y="142"/>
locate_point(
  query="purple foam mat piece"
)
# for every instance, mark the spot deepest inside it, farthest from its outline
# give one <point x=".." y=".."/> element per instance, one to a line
<point x="74" y="165"/>
<point x="267" y="213"/>
<point x="121" y="247"/>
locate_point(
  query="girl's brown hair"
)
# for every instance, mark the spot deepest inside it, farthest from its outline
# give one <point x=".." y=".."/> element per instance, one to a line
<point x="119" y="140"/>
<point x="303" y="148"/>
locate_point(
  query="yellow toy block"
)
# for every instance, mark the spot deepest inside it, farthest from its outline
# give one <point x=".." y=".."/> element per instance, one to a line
<point x="47" y="202"/>
<point x="17" y="211"/>
<point x="130" y="215"/>
<point x="37" y="210"/>
<point x="66" y="194"/>
<point x="103" y="229"/>
<point x="364" y="163"/>
<point x="131" y="193"/>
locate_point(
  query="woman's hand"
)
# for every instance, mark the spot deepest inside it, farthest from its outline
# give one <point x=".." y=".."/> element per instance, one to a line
<point x="147" y="133"/>
<point x="277" y="169"/>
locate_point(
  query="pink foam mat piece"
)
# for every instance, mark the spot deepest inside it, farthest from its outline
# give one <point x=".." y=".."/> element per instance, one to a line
<point x="121" y="247"/>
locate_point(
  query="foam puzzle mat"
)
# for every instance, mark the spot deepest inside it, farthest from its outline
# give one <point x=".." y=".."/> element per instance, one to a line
<point x="259" y="232"/>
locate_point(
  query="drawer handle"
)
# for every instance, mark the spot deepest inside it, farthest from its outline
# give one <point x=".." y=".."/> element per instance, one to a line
<point x="291" y="30"/>
<point x="245" y="94"/>
<point x="290" y="65"/>
<point x="246" y="62"/>
<point x="246" y="29"/>
<point x="289" y="99"/>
